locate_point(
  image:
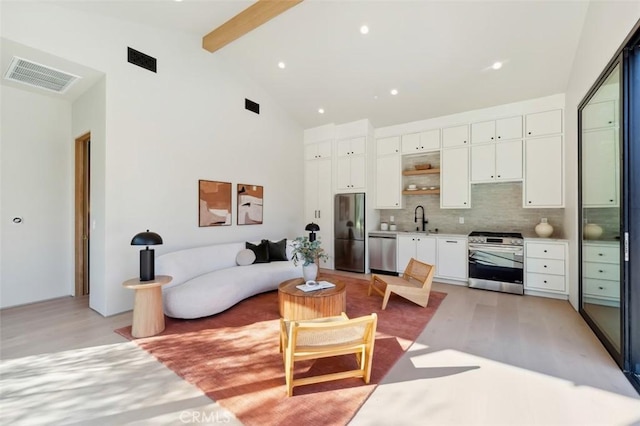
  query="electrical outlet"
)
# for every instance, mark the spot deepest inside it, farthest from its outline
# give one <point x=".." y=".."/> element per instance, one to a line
<point x="461" y="219"/>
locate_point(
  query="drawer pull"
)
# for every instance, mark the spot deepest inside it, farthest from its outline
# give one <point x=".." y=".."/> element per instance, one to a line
<point x="600" y="270"/>
<point x="601" y="288"/>
<point x="545" y="281"/>
<point x="545" y="266"/>
<point x="600" y="254"/>
<point x="545" y="251"/>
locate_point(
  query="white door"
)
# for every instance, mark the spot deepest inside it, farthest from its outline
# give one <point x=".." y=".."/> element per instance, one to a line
<point x="411" y="143"/>
<point x="358" y="172"/>
<point x="343" y="173"/>
<point x="483" y="163"/>
<point x="406" y="250"/>
<point x="454" y="191"/>
<point x="543" y="172"/>
<point x="452" y="258"/>
<point x="509" y="160"/>
<point x="543" y="123"/>
<point x="483" y="132"/>
<point x="426" y="250"/>
<point x="388" y="182"/>
<point x="311" y="191"/>
<point x="509" y="128"/>
<point x="455" y="136"/>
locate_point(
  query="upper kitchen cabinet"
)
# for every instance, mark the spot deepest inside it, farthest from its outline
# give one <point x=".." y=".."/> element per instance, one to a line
<point x="351" y="165"/>
<point x="415" y="143"/>
<point x="455" y="136"/>
<point x="388" y="184"/>
<point x="543" y="180"/>
<point x="496" y="130"/>
<point x="495" y="162"/>
<point x="316" y="151"/>
<point x="454" y="169"/>
<point x="543" y="123"/>
<point x="599" y="114"/>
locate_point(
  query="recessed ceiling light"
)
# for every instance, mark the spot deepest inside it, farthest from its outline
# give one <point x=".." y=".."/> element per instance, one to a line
<point x="496" y="65"/>
<point x="282" y="65"/>
<point x="320" y="110"/>
<point x="375" y="97"/>
<point x="394" y="92"/>
<point x="177" y="1"/>
<point x="364" y="29"/>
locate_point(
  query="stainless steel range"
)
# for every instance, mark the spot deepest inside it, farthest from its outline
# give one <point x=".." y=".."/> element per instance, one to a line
<point x="496" y="261"/>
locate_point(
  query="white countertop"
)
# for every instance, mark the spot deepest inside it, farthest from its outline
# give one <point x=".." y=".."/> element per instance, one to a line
<point x="421" y="234"/>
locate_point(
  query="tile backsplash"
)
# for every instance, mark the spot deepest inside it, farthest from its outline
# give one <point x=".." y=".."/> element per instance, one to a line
<point x="494" y="207"/>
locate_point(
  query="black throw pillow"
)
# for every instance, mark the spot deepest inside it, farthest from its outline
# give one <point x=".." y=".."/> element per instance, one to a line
<point x="261" y="250"/>
<point x="277" y="250"/>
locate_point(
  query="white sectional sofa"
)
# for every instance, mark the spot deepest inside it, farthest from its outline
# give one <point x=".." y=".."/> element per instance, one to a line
<point x="207" y="280"/>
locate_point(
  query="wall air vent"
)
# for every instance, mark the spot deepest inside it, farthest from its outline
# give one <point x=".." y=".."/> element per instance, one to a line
<point x="38" y="75"/>
<point x="251" y="106"/>
<point x="142" y="60"/>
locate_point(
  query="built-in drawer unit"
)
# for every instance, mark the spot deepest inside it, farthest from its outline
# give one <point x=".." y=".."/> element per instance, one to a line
<point x="601" y="273"/>
<point x="546" y="267"/>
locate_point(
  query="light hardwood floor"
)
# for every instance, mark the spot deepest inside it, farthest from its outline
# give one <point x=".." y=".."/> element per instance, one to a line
<point x="485" y="358"/>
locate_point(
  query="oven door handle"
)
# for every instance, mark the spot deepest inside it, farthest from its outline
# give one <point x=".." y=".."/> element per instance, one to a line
<point x="499" y="249"/>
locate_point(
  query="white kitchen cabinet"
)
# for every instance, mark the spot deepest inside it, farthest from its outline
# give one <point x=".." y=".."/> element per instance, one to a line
<point x="351" y="173"/>
<point x="543" y="179"/>
<point x="351" y="165"/>
<point x="496" y="130"/>
<point x="354" y="146"/>
<point x="415" y="143"/>
<point x="316" y="151"/>
<point x="319" y="199"/>
<point x="419" y="247"/>
<point x="388" y="187"/>
<point x="388" y="146"/>
<point x="599" y="114"/>
<point x="600" y="185"/>
<point x="543" y="123"/>
<point x="452" y="259"/>
<point x="454" y="175"/>
<point x="601" y="273"/>
<point x="546" y="267"/>
<point x="455" y="136"/>
<point x="501" y="161"/>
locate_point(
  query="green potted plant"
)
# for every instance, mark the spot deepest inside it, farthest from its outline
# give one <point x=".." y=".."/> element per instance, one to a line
<point x="307" y="252"/>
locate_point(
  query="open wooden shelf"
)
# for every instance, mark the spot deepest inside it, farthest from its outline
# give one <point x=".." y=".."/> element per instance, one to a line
<point x="422" y="192"/>
<point x="420" y="172"/>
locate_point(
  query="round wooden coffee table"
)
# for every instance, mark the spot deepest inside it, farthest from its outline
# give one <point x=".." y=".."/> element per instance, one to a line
<point x="295" y="304"/>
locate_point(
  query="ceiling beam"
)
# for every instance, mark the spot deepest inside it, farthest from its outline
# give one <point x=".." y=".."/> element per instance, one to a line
<point x="249" y="19"/>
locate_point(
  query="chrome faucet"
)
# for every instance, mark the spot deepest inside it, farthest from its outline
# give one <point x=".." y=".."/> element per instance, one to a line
<point x="424" y="219"/>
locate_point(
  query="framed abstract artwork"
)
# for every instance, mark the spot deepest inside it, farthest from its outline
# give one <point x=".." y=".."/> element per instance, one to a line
<point x="250" y="198"/>
<point x="214" y="203"/>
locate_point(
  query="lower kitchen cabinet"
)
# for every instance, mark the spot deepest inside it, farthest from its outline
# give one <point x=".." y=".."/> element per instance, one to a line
<point x="452" y="259"/>
<point x="546" y="267"/>
<point x="601" y="273"/>
<point x="419" y="247"/>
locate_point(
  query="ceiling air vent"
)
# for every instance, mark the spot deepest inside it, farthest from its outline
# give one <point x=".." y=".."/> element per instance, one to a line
<point x="37" y="75"/>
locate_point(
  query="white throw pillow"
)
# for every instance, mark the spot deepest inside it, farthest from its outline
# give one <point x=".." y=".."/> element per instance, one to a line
<point x="245" y="257"/>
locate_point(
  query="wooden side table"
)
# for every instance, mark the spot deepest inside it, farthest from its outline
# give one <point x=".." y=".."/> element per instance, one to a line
<point x="148" y="313"/>
<point x="295" y="304"/>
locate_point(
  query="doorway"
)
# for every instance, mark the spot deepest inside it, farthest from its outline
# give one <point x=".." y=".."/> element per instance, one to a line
<point x="82" y="213"/>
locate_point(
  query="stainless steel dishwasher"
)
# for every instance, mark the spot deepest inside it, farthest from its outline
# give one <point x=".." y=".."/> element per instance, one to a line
<point x="382" y="253"/>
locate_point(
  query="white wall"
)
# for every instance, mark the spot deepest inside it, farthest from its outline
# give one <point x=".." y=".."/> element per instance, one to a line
<point x="606" y="26"/>
<point x="37" y="185"/>
<point x="165" y="131"/>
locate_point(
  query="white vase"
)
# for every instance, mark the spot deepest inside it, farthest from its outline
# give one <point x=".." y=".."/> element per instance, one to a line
<point x="544" y="229"/>
<point x="592" y="231"/>
<point x="310" y="272"/>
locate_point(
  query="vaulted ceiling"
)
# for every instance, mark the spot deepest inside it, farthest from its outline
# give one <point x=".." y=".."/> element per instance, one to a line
<point x="436" y="54"/>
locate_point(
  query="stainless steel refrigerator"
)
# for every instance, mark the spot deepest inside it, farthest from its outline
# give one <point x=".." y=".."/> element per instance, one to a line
<point x="349" y="232"/>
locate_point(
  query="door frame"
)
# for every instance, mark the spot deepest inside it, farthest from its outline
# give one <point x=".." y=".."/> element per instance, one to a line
<point x="81" y="212"/>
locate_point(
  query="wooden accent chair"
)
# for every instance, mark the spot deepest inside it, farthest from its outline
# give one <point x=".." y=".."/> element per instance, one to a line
<point x="414" y="284"/>
<point x="326" y="337"/>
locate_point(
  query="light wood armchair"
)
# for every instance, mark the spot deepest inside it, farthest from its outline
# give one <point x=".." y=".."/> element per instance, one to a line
<point x="414" y="284"/>
<point x="326" y="337"/>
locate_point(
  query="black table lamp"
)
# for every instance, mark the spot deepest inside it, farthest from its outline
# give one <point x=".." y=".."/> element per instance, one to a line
<point x="313" y="228"/>
<point x="147" y="264"/>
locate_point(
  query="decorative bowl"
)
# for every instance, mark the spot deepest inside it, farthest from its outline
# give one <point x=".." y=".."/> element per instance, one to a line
<point x="423" y="166"/>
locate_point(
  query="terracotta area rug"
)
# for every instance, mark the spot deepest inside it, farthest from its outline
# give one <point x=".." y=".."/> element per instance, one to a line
<point x="233" y="357"/>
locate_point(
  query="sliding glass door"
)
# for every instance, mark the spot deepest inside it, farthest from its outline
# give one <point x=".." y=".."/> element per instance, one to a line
<point x="609" y="201"/>
<point x="601" y="203"/>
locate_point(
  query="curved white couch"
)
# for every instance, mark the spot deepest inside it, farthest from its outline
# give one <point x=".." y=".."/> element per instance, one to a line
<point x="207" y="280"/>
